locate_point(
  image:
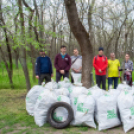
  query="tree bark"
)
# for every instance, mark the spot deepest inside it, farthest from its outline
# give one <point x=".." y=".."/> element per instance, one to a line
<point x="82" y="37"/>
<point x="30" y="36"/>
<point x="53" y="43"/>
<point x="10" y="66"/>
<point x="22" y="57"/>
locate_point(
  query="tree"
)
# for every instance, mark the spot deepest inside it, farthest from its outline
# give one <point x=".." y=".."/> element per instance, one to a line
<point x="82" y="37"/>
<point x="22" y="57"/>
<point x="10" y="66"/>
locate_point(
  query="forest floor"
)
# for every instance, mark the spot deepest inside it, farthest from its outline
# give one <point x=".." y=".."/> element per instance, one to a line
<point x="15" y="120"/>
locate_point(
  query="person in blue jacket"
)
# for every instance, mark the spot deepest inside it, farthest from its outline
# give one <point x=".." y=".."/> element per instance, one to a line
<point x="43" y="68"/>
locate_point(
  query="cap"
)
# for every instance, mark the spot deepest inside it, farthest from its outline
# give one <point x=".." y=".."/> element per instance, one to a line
<point x="100" y="48"/>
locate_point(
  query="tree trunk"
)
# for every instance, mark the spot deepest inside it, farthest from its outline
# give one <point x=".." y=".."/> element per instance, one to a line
<point x="30" y="36"/>
<point x="10" y="66"/>
<point x="7" y="67"/>
<point x="22" y="57"/>
<point x="16" y="62"/>
<point x="83" y="39"/>
<point x="53" y="43"/>
<point x="90" y="12"/>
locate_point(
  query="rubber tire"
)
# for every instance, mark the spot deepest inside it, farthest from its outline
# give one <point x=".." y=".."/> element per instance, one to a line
<point x="56" y="124"/>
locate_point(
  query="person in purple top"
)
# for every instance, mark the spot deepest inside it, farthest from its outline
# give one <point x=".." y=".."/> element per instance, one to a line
<point x="62" y="64"/>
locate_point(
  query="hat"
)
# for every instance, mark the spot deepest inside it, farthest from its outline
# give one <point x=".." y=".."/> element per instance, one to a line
<point x="100" y="48"/>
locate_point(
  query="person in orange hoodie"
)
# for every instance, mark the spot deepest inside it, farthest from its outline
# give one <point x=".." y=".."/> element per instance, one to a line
<point x="100" y="64"/>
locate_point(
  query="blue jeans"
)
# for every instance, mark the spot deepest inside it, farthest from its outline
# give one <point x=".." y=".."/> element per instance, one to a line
<point x="110" y="81"/>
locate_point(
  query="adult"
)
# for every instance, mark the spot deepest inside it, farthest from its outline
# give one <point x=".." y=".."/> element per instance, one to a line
<point x="113" y="71"/>
<point x="128" y="66"/>
<point x="62" y="64"/>
<point x="76" y="63"/>
<point x="100" y="64"/>
<point x="43" y="68"/>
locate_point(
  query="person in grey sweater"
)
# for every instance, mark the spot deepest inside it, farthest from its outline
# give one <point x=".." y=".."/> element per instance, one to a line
<point x="128" y="66"/>
<point x="76" y="63"/>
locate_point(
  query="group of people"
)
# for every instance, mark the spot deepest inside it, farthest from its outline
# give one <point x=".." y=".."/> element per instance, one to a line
<point x="104" y="68"/>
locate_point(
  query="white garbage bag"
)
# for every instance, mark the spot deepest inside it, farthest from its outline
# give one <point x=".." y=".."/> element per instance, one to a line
<point x="75" y="92"/>
<point x="32" y="97"/>
<point x="114" y="92"/>
<point x="126" y="109"/>
<point x="76" y="77"/>
<point x="94" y="87"/>
<point x="107" y="112"/>
<point x="124" y="87"/>
<point x="44" y="102"/>
<point x="62" y="91"/>
<point x="65" y="83"/>
<point x="61" y="114"/>
<point x="70" y="89"/>
<point x="96" y="92"/>
<point x="51" y="85"/>
<point x="84" y="115"/>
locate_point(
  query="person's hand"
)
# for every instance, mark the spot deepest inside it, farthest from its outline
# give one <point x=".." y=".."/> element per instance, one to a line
<point x="62" y="71"/>
<point x="100" y="71"/>
<point x="73" y="69"/>
<point x="107" y="77"/>
<point x="51" y="75"/>
<point x="77" y="71"/>
<point x="37" y="76"/>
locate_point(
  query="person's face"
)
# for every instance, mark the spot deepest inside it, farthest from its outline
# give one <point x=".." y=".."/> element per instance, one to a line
<point x="127" y="57"/>
<point x="76" y="52"/>
<point x="112" y="55"/>
<point x="63" y="50"/>
<point x="40" y="53"/>
<point x="43" y="53"/>
<point x="100" y="52"/>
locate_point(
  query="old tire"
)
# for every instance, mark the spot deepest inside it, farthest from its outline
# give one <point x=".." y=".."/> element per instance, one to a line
<point x="56" y="124"/>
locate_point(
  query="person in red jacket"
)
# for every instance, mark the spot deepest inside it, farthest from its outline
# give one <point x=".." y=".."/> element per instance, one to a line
<point x="100" y="64"/>
<point x="62" y="64"/>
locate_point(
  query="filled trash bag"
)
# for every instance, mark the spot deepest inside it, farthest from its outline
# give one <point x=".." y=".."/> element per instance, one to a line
<point x="75" y="92"/>
<point x="62" y="91"/>
<point x="61" y="114"/>
<point x="123" y="87"/>
<point x="51" y="85"/>
<point x="76" y="77"/>
<point x="65" y="83"/>
<point x="84" y="115"/>
<point x="107" y="112"/>
<point x="32" y="97"/>
<point x="96" y="93"/>
<point x="126" y="109"/>
<point x="44" y="102"/>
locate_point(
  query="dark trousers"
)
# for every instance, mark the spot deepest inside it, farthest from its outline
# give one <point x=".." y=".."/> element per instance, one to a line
<point x="110" y="81"/>
<point x="72" y="80"/>
<point x="101" y="80"/>
<point x="47" y="78"/>
<point x="59" y="75"/>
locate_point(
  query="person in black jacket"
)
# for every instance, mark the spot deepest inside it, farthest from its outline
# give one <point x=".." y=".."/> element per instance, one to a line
<point x="43" y="68"/>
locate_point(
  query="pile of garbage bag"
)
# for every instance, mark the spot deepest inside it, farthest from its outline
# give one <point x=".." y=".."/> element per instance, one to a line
<point x="108" y="109"/>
